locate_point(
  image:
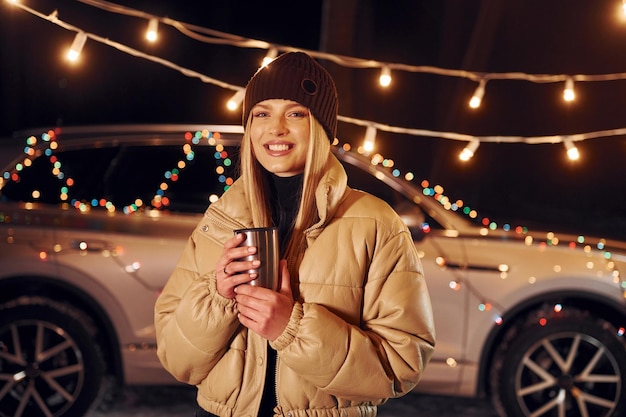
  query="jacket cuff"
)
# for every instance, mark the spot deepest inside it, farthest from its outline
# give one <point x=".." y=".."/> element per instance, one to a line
<point x="289" y="334"/>
<point x="226" y="303"/>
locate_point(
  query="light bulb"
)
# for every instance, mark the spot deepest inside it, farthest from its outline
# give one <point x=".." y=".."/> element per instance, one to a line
<point x="272" y="53"/>
<point x="477" y="98"/>
<point x="235" y="100"/>
<point x="385" y="76"/>
<point x="77" y="46"/>
<point x="152" y="32"/>
<point x="568" y="91"/>
<point x="572" y="150"/>
<point x="369" y="140"/>
<point x="468" y="152"/>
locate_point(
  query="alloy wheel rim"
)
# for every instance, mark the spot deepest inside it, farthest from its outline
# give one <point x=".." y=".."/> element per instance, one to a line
<point x="41" y="369"/>
<point x="568" y="371"/>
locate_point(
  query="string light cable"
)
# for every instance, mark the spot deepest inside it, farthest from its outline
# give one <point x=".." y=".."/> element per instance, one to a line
<point x="53" y="18"/>
<point x="347" y="61"/>
<point x="216" y="37"/>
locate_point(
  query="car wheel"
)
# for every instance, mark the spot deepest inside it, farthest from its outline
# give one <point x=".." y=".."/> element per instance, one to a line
<point x="50" y="364"/>
<point x="563" y="367"/>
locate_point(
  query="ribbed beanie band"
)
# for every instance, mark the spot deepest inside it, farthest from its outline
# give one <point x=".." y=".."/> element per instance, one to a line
<point x="298" y="77"/>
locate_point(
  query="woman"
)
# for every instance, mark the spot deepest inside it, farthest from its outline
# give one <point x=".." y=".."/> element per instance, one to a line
<point x="351" y="323"/>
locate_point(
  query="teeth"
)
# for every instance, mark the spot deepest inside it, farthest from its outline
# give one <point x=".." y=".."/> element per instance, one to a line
<point x="278" y="147"/>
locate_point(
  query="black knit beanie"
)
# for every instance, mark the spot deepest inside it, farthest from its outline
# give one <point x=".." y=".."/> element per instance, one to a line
<point x="298" y="77"/>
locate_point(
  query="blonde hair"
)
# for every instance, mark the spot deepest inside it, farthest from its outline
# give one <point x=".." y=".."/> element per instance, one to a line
<point x="257" y="189"/>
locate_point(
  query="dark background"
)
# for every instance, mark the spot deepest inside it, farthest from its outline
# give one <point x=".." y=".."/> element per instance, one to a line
<point x="516" y="183"/>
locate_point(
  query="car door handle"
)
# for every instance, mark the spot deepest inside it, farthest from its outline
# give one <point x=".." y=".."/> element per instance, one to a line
<point x="468" y="267"/>
<point x="89" y="245"/>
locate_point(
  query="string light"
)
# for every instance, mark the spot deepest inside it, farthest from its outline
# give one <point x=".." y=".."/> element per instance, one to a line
<point x="477" y="98"/>
<point x="369" y="140"/>
<point x="236" y="100"/>
<point x="152" y="32"/>
<point x="77" y="46"/>
<point x="468" y="152"/>
<point x="568" y="91"/>
<point x="222" y="38"/>
<point x="217" y="37"/>
<point x="272" y="53"/>
<point x="572" y="150"/>
<point x="385" y="76"/>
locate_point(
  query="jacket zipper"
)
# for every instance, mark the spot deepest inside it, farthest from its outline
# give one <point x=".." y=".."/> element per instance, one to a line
<point x="276" y="379"/>
<point x="218" y="218"/>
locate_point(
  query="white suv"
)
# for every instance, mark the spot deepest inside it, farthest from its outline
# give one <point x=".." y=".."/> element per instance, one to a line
<point x="93" y="220"/>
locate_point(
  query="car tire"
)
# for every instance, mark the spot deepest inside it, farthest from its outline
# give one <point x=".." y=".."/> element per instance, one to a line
<point x="50" y="363"/>
<point x="572" y="366"/>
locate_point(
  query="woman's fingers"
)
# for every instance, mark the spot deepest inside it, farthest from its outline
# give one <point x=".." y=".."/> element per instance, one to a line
<point x="235" y="266"/>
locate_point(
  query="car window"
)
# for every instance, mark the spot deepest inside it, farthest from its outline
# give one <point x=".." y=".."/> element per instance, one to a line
<point x="163" y="177"/>
<point x="408" y="210"/>
<point x="44" y="180"/>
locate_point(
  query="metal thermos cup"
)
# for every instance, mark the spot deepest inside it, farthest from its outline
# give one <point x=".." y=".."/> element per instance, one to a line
<point x="265" y="239"/>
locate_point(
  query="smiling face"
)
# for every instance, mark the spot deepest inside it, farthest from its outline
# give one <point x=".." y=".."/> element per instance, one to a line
<point x="279" y="132"/>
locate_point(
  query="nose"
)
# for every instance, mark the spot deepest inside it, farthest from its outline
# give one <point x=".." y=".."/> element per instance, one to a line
<point x="278" y="126"/>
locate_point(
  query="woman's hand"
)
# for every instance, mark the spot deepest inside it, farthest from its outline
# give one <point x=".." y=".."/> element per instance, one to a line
<point x="264" y="311"/>
<point x="229" y="268"/>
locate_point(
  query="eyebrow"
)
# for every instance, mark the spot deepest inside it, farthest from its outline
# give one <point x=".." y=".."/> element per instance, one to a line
<point x="287" y="107"/>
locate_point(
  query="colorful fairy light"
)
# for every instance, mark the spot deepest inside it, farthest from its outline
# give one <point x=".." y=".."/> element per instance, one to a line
<point x="223" y="160"/>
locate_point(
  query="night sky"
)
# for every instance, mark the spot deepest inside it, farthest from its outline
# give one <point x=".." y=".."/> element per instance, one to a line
<point x="517" y="183"/>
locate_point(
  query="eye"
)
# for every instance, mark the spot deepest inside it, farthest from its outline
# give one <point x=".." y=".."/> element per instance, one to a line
<point x="260" y="113"/>
<point x="299" y="113"/>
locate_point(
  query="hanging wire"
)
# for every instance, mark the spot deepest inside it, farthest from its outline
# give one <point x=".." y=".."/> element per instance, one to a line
<point x="217" y="37"/>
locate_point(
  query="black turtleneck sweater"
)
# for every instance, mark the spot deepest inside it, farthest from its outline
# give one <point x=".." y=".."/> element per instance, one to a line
<point x="285" y="200"/>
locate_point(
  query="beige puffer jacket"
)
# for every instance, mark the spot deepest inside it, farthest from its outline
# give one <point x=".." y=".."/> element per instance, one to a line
<point x="361" y="330"/>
